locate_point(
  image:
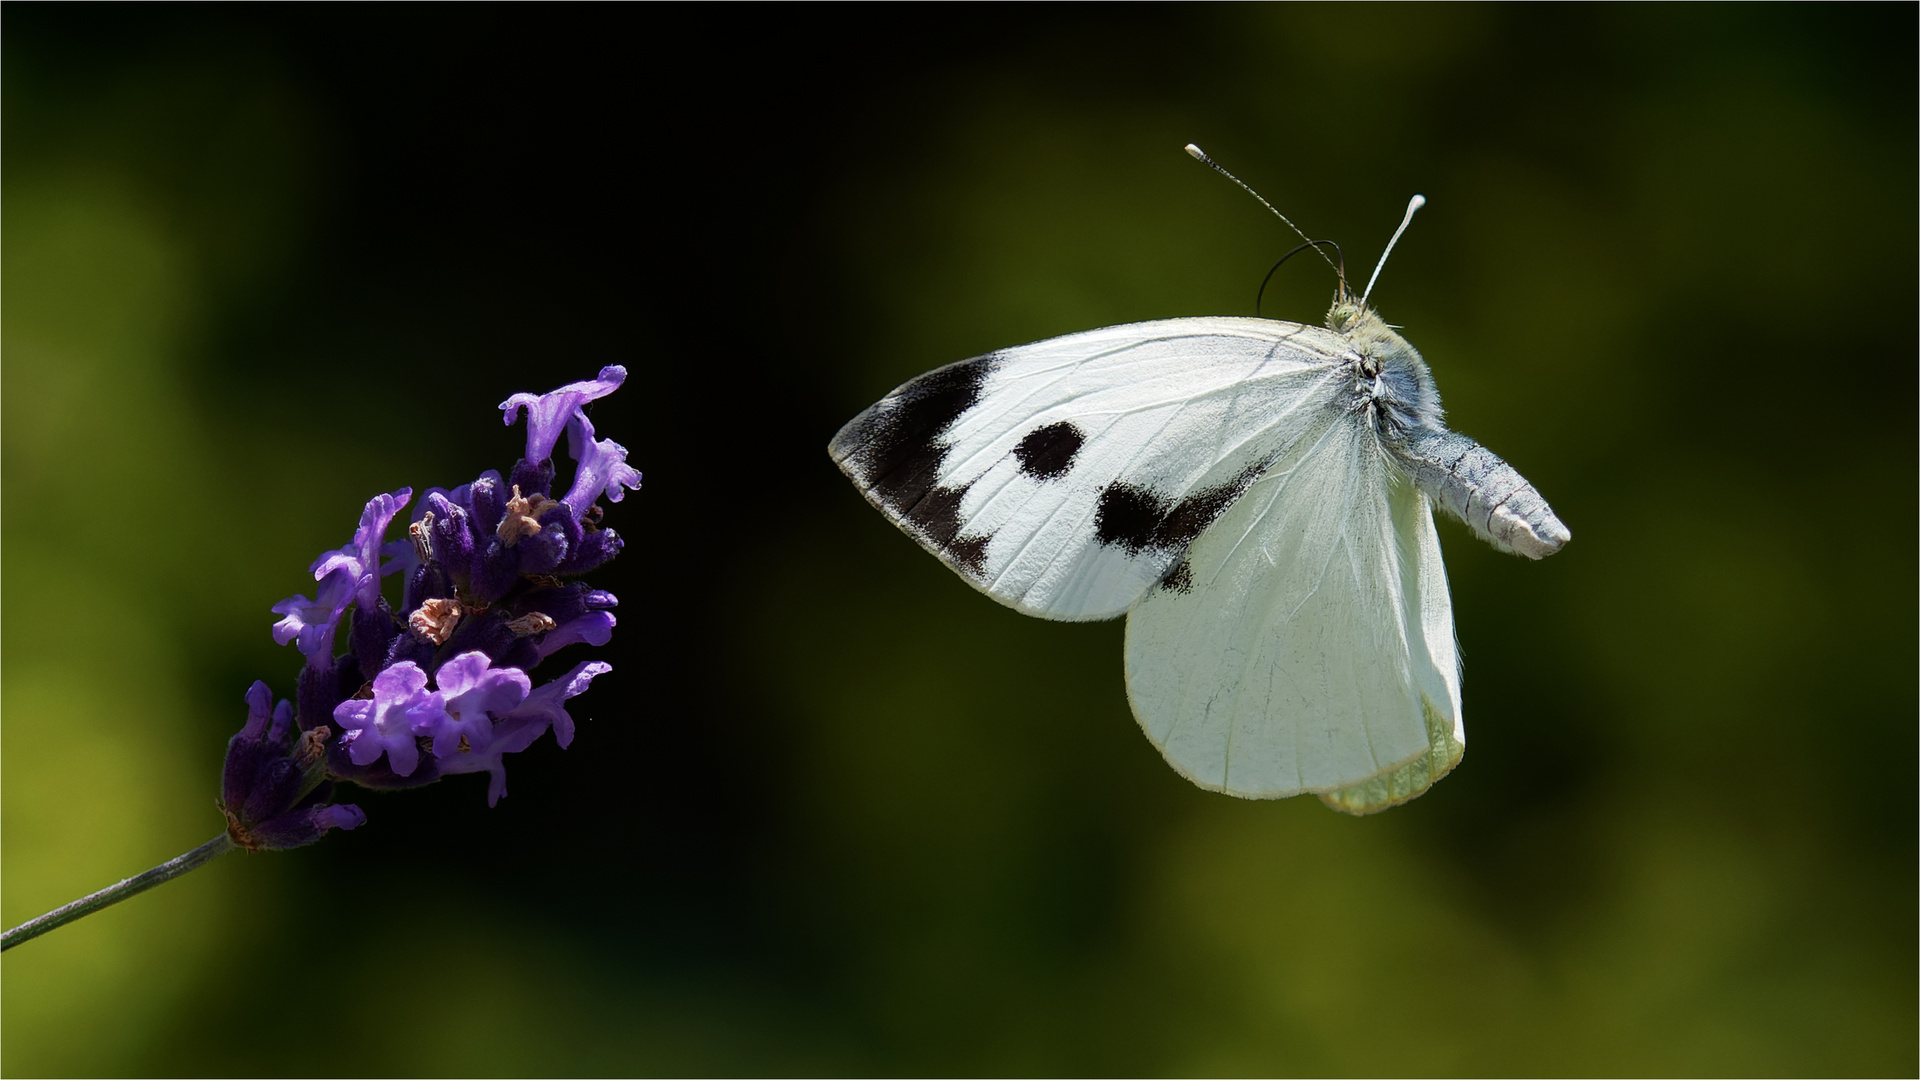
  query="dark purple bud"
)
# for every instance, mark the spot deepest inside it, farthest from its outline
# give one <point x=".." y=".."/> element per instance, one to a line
<point x="269" y="783"/>
<point x="324" y="686"/>
<point x="566" y="602"/>
<point x="489" y="504"/>
<point x="495" y="572"/>
<point x="522" y="652"/>
<point x="452" y="538"/>
<point x="532" y="477"/>
<point x="303" y="826"/>
<point x="596" y="548"/>
<point x="486" y="633"/>
<point x="428" y="582"/>
<point x="410" y="649"/>
<point x="371" y="637"/>
<point x="559" y="518"/>
<point x="544" y="550"/>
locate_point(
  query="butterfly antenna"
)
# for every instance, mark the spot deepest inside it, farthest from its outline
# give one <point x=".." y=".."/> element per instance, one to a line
<point x="1200" y="156"/>
<point x="1297" y="249"/>
<point x="1413" y="204"/>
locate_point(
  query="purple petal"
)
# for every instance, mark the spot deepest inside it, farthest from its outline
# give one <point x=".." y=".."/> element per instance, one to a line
<point x="399" y="682"/>
<point x="339" y="816"/>
<point x="470" y="683"/>
<point x="329" y="561"/>
<point x="259" y="710"/>
<point x="510" y="737"/>
<point x="303" y="826"/>
<point x="602" y="468"/>
<point x="474" y="692"/>
<point x="384" y="724"/>
<point x="312" y="622"/>
<point x="548" y="702"/>
<point x="547" y="414"/>
<point x="367" y="540"/>
<point x="398" y="557"/>
<point x="594" y="628"/>
<point x="518" y="729"/>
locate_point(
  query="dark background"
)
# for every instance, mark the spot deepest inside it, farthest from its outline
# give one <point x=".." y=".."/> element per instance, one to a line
<point x="835" y="812"/>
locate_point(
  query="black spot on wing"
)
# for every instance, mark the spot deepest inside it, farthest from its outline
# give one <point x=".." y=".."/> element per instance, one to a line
<point x="1047" y="453"/>
<point x="1139" y="519"/>
<point x="1127" y="516"/>
<point x="1191" y="515"/>
<point x="895" y="453"/>
<point x="1179" y="579"/>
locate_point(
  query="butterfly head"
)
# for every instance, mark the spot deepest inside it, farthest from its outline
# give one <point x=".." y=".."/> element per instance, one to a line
<point x="1348" y="312"/>
<point x="1391" y="380"/>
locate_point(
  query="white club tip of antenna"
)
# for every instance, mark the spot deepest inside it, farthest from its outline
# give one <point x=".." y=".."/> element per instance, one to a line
<point x="1196" y="153"/>
<point x="1413" y="204"/>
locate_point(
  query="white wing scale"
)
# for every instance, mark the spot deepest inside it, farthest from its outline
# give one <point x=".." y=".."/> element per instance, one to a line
<point x="1307" y="644"/>
<point x="1065" y="478"/>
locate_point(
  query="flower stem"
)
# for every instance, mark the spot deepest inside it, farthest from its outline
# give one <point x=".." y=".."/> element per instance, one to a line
<point x="113" y="894"/>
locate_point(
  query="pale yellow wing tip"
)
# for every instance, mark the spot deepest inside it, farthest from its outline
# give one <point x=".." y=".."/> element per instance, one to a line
<point x="1388" y="789"/>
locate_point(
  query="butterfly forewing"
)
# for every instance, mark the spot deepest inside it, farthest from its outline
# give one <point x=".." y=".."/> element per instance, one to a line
<point x="1306" y="634"/>
<point x="1067" y="477"/>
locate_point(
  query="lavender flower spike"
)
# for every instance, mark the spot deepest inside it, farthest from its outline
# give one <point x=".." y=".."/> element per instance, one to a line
<point x="439" y="684"/>
<point x="547" y="414"/>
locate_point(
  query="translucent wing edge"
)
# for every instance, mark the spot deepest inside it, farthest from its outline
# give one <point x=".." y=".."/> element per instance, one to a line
<point x="1403" y="783"/>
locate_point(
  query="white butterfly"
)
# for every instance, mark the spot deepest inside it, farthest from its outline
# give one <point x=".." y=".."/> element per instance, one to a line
<point x="1256" y="496"/>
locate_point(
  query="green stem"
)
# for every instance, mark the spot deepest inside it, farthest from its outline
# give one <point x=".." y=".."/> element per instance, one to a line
<point x="113" y="894"/>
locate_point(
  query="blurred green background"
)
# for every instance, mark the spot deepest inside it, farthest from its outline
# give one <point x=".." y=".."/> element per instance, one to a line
<point x="834" y="812"/>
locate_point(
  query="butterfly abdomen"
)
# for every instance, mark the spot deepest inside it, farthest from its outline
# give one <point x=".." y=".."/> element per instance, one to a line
<point x="1470" y="482"/>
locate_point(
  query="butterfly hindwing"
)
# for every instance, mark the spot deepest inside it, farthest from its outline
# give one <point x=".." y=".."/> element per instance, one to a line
<point x="1067" y="477"/>
<point x="1306" y="642"/>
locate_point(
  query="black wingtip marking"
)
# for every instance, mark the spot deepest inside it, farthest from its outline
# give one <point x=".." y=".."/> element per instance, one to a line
<point x="937" y="517"/>
<point x="1047" y="453"/>
<point x="1137" y="518"/>
<point x="894" y="447"/>
<point x="894" y="453"/>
